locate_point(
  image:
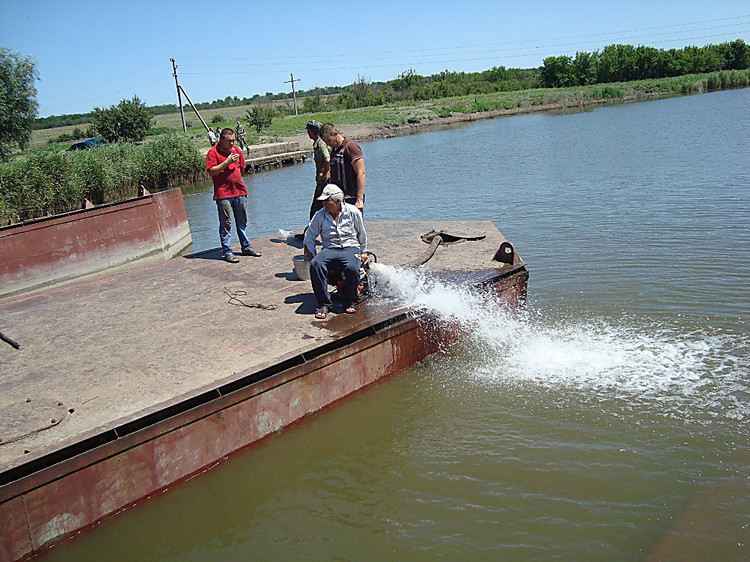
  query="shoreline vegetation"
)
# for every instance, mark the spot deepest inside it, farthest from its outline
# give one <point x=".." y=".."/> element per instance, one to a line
<point x="45" y="181"/>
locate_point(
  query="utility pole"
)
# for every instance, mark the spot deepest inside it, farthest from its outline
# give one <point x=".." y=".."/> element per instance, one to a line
<point x="179" y="98"/>
<point x="294" y="95"/>
<point x="194" y="108"/>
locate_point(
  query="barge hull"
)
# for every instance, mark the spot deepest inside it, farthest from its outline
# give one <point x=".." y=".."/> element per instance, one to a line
<point x="65" y="247"/>
<point x="70" y="480"/>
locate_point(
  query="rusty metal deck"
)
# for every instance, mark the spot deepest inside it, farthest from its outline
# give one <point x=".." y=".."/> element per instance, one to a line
<point x="121" y="350"/>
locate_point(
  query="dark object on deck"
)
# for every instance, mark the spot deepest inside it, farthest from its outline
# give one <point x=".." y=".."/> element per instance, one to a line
<point x="453" y="237"/>
<point x="505" y="253"/>
<point x="7" y="340"/>
<point x="93" y="142"/>
<point x="437" y="237"/>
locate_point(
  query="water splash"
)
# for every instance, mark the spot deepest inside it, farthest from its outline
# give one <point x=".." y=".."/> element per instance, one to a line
<point x="666" y="363"/>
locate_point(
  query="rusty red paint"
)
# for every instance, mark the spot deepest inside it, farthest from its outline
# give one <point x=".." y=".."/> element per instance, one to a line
<point x="61" y="248"/>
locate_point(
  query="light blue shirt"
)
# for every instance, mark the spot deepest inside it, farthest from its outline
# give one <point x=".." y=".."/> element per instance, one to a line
<point x="347" y="232"/>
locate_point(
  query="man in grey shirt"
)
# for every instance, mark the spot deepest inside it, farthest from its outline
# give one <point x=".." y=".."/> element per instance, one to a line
<point x="342" y="231"/>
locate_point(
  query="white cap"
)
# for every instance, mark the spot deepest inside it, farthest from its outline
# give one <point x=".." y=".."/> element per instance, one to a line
<point x="329" y="190"/>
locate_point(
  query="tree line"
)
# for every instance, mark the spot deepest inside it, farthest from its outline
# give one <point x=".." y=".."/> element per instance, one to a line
<point x="614" y="63"/>
<point x="624" y="63"/>
<point x="54" y="121"/>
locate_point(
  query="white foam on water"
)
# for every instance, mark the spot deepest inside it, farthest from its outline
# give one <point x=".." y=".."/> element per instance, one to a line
<point x="630" y="358"/>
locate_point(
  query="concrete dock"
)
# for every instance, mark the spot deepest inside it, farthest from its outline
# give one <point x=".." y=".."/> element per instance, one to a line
<point x="116" y="369"/>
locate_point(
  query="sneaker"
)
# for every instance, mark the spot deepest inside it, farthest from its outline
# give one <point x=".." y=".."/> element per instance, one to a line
<point x="321" y="312"/>
<point x="231" y="258"/>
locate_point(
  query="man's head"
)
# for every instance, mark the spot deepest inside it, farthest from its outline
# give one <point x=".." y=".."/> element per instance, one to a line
<point x="313" y="127"/>
<point x="332" y="197"/>
<point x="330" y="135"/>
<point x="226" y="139"/>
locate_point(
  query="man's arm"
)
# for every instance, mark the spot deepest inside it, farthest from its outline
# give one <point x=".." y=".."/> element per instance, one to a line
<point x="312" y="232"/>
<point x="359" y="170"/>
<point x="325" y="170"/>
<point x="216" y="170"/>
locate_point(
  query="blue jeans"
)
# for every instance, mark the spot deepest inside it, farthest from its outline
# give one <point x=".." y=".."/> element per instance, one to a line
<point x="335" y="258"/>
<point x="236" y="206"/>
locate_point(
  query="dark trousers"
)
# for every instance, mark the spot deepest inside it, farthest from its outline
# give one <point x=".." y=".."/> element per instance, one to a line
<point x="334" y="258"/>
<point x="316" y="205"/>
<point x="352" y="201"/>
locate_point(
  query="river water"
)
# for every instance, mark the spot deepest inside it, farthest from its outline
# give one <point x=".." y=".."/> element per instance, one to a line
<point x="607" y="420"/>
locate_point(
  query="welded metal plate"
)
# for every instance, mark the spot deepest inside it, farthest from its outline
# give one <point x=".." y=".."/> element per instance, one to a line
<point x="31" y="416"/>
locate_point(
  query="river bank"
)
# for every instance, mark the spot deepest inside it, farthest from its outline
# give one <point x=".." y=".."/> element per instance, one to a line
<point x="372" y="131"/>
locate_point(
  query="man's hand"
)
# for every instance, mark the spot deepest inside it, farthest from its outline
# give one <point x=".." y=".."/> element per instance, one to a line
<point x="363" y="256"/>
<point x="232" y="158"/>
<point x="359" y="204"/>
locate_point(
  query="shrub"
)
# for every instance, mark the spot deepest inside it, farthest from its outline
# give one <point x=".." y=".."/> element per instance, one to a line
<point x="259" y="117"/>
<point x="129" y="120"/>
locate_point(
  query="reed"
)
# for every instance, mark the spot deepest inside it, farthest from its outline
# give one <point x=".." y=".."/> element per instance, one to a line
<point x="51" y="183"/>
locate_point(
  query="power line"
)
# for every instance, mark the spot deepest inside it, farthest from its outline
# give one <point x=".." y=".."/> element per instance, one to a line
<point x="412" y="58"/>
<point x="543" y="42"/>
<point x="488" y="56"/>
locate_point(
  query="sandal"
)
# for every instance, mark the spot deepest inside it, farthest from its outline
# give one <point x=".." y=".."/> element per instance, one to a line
<point x="251" y="252"/>
<point x="231" y="258"/>
<point x="350" y="309"/>
<point x="321" y="313"/>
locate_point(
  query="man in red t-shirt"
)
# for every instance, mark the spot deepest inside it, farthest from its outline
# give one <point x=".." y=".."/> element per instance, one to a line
<point x="347" y="165"/>
<point x="225" y="164"/>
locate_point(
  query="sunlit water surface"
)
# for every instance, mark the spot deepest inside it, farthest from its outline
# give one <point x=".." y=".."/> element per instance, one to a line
<point x="606" y="420"/>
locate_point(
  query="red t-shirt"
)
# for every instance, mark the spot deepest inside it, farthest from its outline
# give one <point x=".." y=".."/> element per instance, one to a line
<point x="229" y="182"/>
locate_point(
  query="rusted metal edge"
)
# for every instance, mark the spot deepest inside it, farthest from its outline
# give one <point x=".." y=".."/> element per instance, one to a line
<point x="151" y="420"/>
<point x="69" y="214"/>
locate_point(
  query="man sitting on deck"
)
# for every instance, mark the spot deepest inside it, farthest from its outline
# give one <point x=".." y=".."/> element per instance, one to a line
<point x="342" y="231"/>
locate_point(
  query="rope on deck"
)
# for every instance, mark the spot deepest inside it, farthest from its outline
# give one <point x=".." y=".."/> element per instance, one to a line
<point x="234" y="299"/>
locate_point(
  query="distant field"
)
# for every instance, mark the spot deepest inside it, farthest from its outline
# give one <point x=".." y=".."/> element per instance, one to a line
<point x="425" y="113"/>
<point x="40" y="137"/>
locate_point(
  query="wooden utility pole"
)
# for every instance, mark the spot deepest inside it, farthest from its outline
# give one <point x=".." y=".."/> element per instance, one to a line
<point x="179" y="98"/>
<point x="294" y="95"/>
<point x="194" y="108"/>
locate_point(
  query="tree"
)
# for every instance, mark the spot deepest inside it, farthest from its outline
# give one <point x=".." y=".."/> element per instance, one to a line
<point x="557" y="72"/>
<point x="584" y="68"/>
<point x="617" y="63"/>
<point x="18" y="105"/>
<point x="129" y="120"/>
<point x="313" y="103"/>
<point x="259" y="117"/>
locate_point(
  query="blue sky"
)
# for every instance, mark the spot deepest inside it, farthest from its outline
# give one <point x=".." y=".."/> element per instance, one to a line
<point x="93" y="54"/>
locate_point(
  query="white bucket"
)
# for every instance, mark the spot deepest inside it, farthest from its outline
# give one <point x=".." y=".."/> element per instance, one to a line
<point x="301" y="267"/>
